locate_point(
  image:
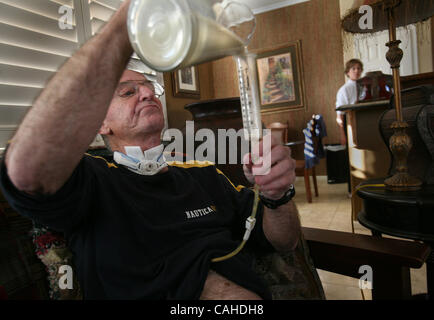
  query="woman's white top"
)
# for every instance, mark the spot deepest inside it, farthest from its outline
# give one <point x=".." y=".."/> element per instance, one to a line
<point x="347" y="94"/>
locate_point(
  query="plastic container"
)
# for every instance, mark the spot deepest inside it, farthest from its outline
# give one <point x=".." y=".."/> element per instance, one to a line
<point x="337" y="164"/>
<point x="172" y="34"/>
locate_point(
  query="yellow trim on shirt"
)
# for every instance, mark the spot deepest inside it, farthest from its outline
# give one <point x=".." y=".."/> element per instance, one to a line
<point x="109" y="164"/>
<point x="201" y="164"/>
<point x="190" y="164"/>
<point x="239" y="188"/>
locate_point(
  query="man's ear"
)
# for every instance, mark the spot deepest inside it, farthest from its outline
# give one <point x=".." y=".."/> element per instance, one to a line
<point x="105" y="129"/>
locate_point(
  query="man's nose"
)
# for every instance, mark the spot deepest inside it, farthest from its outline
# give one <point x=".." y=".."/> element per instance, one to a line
<point x="145" y="92"/>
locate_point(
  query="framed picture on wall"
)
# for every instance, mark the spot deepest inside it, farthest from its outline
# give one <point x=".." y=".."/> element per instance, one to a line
<point x="185" y="83"/>
<point x="280" y="78"/>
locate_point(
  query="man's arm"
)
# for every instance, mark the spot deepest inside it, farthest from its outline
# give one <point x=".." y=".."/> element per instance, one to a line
<point x="282" y="225"/>
<point x="66" y="116"/>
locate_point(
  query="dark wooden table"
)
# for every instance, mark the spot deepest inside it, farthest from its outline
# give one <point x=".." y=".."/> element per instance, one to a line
<point x="408" y="215"/>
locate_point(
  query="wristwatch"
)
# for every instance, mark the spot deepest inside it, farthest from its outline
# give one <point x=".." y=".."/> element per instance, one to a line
<point x="274" y="204"/>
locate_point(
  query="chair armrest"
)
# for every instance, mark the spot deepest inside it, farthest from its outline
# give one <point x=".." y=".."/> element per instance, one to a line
<point x="344" y="253"/>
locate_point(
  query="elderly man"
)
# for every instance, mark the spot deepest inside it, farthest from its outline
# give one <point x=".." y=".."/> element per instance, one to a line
<point x="131" y="234"/>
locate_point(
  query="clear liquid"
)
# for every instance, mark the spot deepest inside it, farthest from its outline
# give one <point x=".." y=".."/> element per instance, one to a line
<point x="168" y="39"/>
<point x="249" y="96"/>
<point x="213" y="41"/>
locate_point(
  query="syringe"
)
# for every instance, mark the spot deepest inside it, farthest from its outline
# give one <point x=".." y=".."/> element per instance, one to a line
<point x="251" y="113"/>
<point x="248" y="84"/>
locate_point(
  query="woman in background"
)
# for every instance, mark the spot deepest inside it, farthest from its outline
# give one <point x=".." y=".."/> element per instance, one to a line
<point x="347" y="94"/>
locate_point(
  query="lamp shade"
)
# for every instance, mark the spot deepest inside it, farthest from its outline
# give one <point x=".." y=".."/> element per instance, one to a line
<point x="406" y="12"/>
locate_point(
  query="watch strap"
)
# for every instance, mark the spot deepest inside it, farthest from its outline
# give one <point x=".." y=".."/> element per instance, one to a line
<point x="274" y="204"/>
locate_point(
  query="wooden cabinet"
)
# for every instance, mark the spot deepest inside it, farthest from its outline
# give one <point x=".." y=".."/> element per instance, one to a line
<point x="221" y="114"/>
<point x="369" y="156"/>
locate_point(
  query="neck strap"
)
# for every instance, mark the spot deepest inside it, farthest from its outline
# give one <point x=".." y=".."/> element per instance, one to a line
<point x="148" y="162"/>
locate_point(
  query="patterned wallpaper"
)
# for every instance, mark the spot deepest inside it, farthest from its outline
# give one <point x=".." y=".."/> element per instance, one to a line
<point x="317" y="24"/>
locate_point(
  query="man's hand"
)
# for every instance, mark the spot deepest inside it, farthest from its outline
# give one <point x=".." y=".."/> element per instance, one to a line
<point x="277" y="171"/>
<point x="274" y="177"/>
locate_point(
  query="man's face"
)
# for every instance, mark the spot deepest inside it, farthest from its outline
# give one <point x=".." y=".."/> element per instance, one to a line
<point x="355" y="72"/>
<point x="135" y="113"/>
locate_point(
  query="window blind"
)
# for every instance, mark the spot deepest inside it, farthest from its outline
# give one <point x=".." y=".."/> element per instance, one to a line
<point x="33" y="46"/>
<point x="100" y="13"/>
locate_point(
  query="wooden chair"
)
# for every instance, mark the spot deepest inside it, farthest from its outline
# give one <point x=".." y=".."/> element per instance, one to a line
<point x="390" y="259"/>
<point x="339" y="252"/>
<point x="280" y="131"/>
<point x="25" y="277"/>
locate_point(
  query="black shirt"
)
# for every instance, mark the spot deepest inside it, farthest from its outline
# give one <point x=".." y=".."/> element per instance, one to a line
<point x="149" y="237"/>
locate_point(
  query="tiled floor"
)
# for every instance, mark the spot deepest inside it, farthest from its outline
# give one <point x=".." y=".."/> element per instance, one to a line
<point x="332" y="210"/>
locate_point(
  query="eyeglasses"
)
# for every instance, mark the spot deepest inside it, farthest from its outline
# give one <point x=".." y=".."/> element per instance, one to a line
<point x="130" y="88"/>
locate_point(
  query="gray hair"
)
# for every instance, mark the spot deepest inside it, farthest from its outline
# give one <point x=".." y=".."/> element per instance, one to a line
<point x="138" y="66"/>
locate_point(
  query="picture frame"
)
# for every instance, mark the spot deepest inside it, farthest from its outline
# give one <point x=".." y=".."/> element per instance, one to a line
<point x="185" y="83"/>
<point x="280" y="78"/>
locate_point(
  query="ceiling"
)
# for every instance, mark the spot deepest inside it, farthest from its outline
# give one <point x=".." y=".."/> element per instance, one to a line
<point x="260" y="6"/>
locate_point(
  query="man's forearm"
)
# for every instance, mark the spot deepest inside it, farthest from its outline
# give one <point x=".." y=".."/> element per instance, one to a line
<point x="282" y="226"/>
<point x="67" y="115"/>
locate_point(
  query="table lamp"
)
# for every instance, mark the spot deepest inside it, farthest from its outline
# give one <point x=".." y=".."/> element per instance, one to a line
<point x="388" y="15"/>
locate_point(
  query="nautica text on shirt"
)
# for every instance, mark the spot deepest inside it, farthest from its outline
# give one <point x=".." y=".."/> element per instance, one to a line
<point x="199" y="212"/>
